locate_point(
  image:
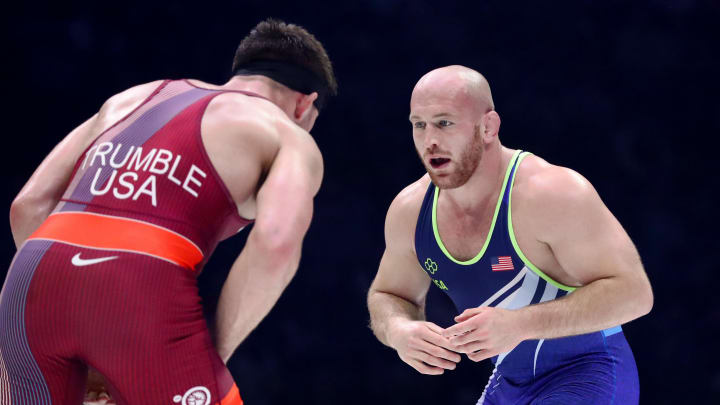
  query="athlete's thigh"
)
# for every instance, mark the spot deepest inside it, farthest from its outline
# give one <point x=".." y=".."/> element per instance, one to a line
<point x="153" y="345"/>
<point x="190" y="374"/>
<point x="591" y="383"/>
<point x="501" y="390"/>
<point x="37" y="357"/>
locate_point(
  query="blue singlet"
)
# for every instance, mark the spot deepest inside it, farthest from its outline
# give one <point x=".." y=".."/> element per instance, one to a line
<point x="594" y="368"/>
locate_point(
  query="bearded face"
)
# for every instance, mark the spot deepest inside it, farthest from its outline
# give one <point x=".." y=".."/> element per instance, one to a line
<point x="452" y="165"/>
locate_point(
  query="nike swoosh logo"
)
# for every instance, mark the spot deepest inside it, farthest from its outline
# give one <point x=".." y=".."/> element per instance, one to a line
<point x="77" y="261"/>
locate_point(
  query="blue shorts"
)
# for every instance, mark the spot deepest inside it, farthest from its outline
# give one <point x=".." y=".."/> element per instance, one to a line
<point x="606" y="377"/>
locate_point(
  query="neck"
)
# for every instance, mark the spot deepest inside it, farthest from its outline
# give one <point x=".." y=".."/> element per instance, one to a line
<point x="483" y="187"/>
<point x="263" y="86"/>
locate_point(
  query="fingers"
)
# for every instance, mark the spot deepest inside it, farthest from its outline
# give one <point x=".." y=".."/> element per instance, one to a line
<point x="432" y="345"/>
<point x="440" y="347"/>
<point x="441" y="352"/>
<point x="471" y="347"/>
<point x="431" y="360"/>
<point x="458" y="329"/>
<point x="467" y="314"/>
<point x="102" y="401"/>
<point x="469" y="337"/>
<point x="467" y="322"/>
<point x="482" y="355"/>
<point x="424" y="368"/>
<point x="423" y="346"/>
<point x="437" y="336"/>
<point x="98" y="398"/>
<point x="434" y="328"/>
<point x="476" y="352"/>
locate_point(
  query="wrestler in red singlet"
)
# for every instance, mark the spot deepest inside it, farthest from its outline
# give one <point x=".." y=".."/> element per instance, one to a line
<point x="108" y="280"/>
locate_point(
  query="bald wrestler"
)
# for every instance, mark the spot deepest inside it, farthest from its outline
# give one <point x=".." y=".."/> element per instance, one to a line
<point x="541" y="273"/>
<point x="117" y="222"/>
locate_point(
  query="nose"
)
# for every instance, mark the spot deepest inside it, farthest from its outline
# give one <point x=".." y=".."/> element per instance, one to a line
<point x="431" y="140"/>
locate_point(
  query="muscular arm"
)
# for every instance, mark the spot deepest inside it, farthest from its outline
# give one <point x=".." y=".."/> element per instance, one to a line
<point x="271" y="255"/>
<point x="42" y="192"/>
<point x="390" y="306"/>
<point x="396" y="299"/>
<point x="593" y="250"/>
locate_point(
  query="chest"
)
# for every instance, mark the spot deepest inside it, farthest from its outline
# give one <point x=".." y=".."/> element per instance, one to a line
<point x="483" y="238"/>
<point x="463" y="235"/>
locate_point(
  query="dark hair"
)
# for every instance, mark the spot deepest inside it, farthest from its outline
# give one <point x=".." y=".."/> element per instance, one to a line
<point x="276" y="41"/>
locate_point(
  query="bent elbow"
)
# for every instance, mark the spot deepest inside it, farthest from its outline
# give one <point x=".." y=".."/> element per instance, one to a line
<point x="20" y="209"/>
<point x="15" y="213"/>
<point x="644" y="300"/>
<point x="279" y="244"/>
<point x="281" y="236"/>
<point x="26" y="206"/>
<point x="280" y="248"/>
<point x="648" y="302"/>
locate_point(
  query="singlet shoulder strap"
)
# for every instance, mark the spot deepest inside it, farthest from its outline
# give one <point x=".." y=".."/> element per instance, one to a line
<point x="508" y="203"/>
<point x="510" y="177"/>
<point x="424" y="217"/>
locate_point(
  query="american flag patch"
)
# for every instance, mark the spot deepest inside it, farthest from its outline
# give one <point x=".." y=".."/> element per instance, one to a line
<point x="501" y="263"/>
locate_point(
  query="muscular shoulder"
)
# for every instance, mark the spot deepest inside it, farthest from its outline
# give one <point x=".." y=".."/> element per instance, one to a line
<point x="403" y="213"/>
<point x="259" y="119"/>
<point x="550" y="194"/>
<point x="235" y="121"/>
<point x="121" y="104"/>
<point x="136" y="93"/>
<point x="255" y="115"/>
<point x="238" y="112"/>
<point x="540" y="181"/>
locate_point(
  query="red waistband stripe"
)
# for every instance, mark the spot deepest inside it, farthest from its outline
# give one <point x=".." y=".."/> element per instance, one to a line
<point x="109" y="232"/>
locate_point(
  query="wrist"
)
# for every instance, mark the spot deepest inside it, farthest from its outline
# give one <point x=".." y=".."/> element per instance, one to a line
<point x="394" y="327"/>
<point x="526" y="323"/>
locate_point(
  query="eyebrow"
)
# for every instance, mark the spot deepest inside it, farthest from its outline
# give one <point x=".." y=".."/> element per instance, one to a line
<point x="444" y="114"/>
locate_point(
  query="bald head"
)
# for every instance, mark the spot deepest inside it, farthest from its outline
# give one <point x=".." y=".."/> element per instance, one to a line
<point x="457" y="84"/>
<point x="454" y="124"/>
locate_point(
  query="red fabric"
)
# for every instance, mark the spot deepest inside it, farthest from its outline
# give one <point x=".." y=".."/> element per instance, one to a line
<point x="205" y="219"/>
<point x="135" y="319"/>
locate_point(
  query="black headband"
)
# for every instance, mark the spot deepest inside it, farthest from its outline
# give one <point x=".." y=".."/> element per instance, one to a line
<point x="293" y="76"/>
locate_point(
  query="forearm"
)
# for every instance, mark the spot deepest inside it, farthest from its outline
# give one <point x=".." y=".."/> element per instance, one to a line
<point x="386" y="309"/>
<point x="596" y="306"/>
<point x="254" y="284"/>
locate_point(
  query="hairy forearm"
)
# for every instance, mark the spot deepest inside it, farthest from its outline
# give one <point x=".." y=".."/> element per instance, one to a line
<point x="386" y="308"/>
<point x="596" y="306"/>
<point x="254" y="284"/>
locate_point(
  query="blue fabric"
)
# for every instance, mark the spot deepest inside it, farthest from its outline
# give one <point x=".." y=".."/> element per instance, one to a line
<point x="595" y="378"/>
<point x="586" y="366"/>
<point x="467" y="286"/>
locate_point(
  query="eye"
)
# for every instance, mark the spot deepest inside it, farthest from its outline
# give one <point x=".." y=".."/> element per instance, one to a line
<point x="419" y="125"/>
<point x="444" y="123"/>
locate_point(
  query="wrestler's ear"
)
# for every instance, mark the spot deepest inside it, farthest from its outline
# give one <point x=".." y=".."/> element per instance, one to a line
<point x="490" y="125"/>
<point x="303" y="105"/>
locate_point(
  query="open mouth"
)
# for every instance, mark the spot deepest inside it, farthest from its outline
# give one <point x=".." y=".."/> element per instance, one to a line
<point x="437" y="163"/>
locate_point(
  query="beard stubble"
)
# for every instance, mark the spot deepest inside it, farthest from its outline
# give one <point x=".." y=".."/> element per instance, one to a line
<point x="465" y="165"/>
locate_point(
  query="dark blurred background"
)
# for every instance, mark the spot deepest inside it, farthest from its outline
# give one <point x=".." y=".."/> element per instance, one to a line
<point x="626" y="93"/>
